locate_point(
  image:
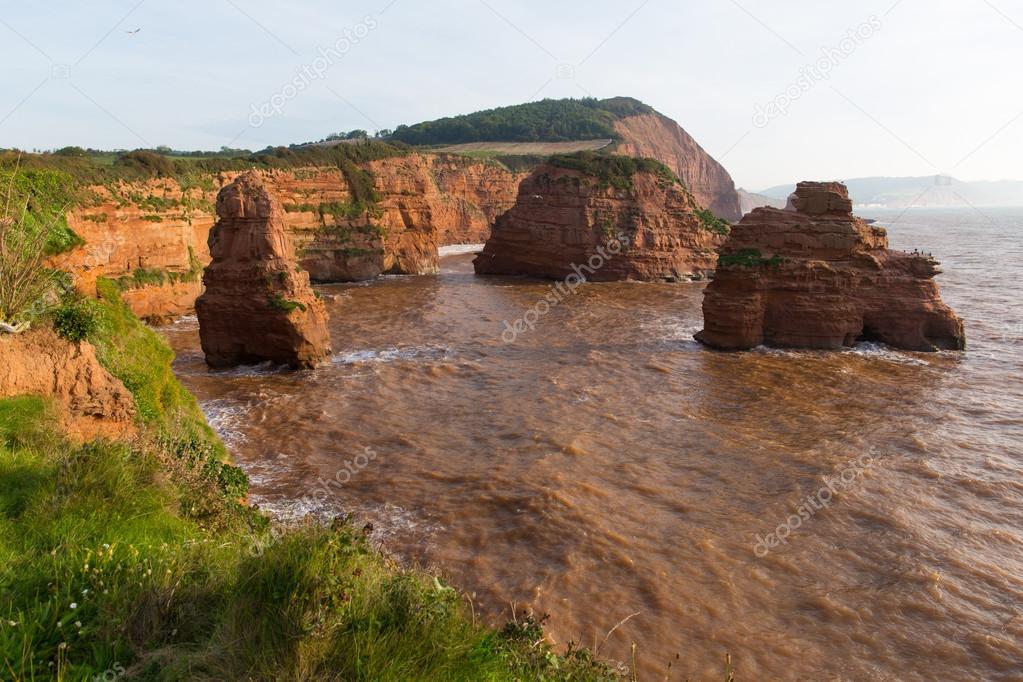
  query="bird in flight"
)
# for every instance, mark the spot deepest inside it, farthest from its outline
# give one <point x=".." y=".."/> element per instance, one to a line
<point x="131" y="33"/>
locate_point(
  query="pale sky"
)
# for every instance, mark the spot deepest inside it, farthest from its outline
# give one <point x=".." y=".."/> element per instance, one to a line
<point x="928" y="87"/>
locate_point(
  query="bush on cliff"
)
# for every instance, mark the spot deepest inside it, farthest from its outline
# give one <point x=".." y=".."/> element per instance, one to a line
<point x="136" y="559"/>
<point x="76" y="320"/>
<point x="32" y="227"/>
<point x="69" y="173"/>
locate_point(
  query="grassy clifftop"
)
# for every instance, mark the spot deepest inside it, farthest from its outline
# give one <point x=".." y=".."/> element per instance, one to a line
<point x="137" y="558"/>
<point x="549" y="120"/>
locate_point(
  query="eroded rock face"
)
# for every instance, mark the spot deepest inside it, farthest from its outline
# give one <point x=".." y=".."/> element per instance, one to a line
<point x="818" y="277"/>
<point x="658" y="137"/>
<point x="425" y="201"/>
<point x="92" y="403"/>
<point x="565" y="219"/>
<point x="258" y="304"/>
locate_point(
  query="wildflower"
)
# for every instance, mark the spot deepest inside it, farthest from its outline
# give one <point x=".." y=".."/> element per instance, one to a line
<point x="85" y="591"/>
<point x="78" y="623"/>
<point x="12" y="623"/>
<point x="74" y="605"/>
<point x="106" y="546"/>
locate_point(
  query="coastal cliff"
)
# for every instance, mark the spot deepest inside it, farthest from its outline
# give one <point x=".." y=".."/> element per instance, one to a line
<point x="656" y="136"/>
<point x="633" y="216"/>
<point x="818" y="277"/>
<point x="150" y="236"/>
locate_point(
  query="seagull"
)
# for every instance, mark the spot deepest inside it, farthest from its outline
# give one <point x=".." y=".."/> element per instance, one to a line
<point x="131" y="33"/>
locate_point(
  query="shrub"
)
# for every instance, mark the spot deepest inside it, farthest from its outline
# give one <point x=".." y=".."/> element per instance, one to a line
<point x="76" y="321"/>
<point x="712" y="223"/>
<point x="26" y="239"/>
<point x="149" y="164"/>
<point x="278" y="302"/>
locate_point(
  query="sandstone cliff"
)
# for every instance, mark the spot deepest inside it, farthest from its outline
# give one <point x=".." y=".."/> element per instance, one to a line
<point x="152" y="235"/>
<point x="258" y="305"/>
<point x="643" y="227"/>
<point x="92" y="403"/>
<point x="817" y="277"/>
<point x="658" y="137"/>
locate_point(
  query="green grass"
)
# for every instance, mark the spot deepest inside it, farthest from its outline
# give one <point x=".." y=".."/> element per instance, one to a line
<point x="45" y="195"/>
<point x="614" y="171"/>
<point x="137" y="557"/>
<point x="141" y="359"/>
<point x="60" y="178"/>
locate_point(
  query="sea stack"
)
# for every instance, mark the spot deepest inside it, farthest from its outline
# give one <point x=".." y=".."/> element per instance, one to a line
<point x="604" y="218"/>
<point x="815" y="276"/>
<point x="258" y="304"/>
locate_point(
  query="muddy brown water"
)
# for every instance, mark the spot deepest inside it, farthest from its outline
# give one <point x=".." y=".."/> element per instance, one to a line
<point x="854" y="515"/>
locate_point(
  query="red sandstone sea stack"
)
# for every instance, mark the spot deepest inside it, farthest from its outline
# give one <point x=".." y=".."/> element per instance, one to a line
<point x="569" y="212"/>
<point x="815" y="276"/>
<point x="258" y="304"/>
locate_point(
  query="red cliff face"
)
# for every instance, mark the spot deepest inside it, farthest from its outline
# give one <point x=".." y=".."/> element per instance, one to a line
<point x="92" y="402"/>
<point x="658" y="137"/>
<point x="258" y="304"/>
<point x="817" y="277"/>
<point x="158" y="227"/>
<point x="565" y="218"/>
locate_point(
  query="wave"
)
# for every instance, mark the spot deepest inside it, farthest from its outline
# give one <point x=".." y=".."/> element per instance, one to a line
<point x="390" y="355"/>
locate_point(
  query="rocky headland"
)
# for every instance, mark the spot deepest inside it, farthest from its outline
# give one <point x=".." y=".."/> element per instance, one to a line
<point x="815" y="276"/>
<point x="633" y="216"/>
<point x="258" y="304"/>
<point x="656" y="136"/>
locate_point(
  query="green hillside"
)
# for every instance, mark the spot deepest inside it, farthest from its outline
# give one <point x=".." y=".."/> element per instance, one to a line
<point x="549" y="120"/>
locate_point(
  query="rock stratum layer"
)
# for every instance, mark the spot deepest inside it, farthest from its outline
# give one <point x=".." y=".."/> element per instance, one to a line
<point x="566" y="219"/>
<point x="658" y="137"/>
<point x="92" y="402"/>
<point x="818" y="277"/>
<point x="258" y="304"/>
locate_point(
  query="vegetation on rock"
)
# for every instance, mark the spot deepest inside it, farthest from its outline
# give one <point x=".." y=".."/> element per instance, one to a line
<point x="611" y="170"/>
<point x="548" y="120"/>
<point x="712" y="223"/>
<point x="747" y="258"/>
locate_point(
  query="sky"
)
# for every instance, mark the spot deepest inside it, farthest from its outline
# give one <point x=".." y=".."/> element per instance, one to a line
<point x="776" y="90"/>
